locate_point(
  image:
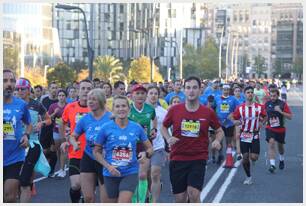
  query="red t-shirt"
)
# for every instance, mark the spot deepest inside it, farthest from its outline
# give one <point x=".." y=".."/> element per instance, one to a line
<point x="72" y="114"/>
<point x="192" y="130"/>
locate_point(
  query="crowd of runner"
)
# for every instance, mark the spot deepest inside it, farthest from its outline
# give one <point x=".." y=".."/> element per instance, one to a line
<point x="117" y="138"/>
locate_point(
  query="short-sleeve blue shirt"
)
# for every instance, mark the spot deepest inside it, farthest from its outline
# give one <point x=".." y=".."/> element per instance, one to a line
<point x="14" y="114"/>
<point x="120" y="146"/>
<point x="225" y="106"/>
<point x="90" y="126"/>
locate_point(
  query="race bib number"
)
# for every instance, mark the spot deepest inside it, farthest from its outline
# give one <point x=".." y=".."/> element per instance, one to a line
<point x="274" y="122"/>
<point x="247" y="137"/>
<point x="225" y="108"/>
<point x="8" y="131"/>
<point x="122" y="156"/>
<point x="190" y="128"/>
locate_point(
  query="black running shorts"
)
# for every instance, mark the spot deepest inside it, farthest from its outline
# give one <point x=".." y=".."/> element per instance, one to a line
<point x="187" y="173"/>
<point x="12" y="171"/>
<point x="74" y="166"/>
<point x="279" y="137"/>
<point x="253" y="147"/>
<point x="89" y="165"/>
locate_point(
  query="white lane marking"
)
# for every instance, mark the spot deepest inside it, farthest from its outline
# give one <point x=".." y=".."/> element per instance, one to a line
<point x="211" y="182"/>
<point x="226" y="183"/>
<point x="42" y="178"/>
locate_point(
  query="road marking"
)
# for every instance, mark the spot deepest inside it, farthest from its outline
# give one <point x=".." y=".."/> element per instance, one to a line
<point x="42" y="178"/>
<point x="212" y="182"/>
<point x="226" y="183"/>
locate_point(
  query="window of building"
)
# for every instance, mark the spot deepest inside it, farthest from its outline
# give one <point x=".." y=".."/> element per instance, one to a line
<point x="121" y="26"/>
<point x="254" y="22"/>
<point x="121" y="9"/>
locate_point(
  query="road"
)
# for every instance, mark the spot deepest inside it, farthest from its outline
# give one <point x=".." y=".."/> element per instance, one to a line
<point x="225" y="185"/>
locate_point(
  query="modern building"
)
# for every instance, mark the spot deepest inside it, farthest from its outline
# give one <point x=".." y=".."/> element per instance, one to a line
<point x="287" y="35"/>
<point x="28" y="27"/>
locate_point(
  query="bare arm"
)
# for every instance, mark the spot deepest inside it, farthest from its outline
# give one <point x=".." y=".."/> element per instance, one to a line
<point x="170" y="139"/>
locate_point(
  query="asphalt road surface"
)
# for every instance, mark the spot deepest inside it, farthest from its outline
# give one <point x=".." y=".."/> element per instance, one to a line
<point x="225" y="185"/>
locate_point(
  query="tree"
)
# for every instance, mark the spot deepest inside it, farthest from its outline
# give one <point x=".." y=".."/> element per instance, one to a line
<point x="259" y="64"/>
<point x="83" y="74"/>
<point x="11" y="58"/>
<point x="35" y="75"/>
<point x="298" y="67"/>
<point x="277" y="67"/>
<point x="62" y="74"/>
<point x="105" y="67"/>
<point x="78" y="65"/>
<point x="202" y="62"/>
<point x="140" y="70"/>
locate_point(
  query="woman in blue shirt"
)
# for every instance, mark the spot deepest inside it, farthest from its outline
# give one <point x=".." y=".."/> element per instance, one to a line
<point x="120" y="165"/>
<point x="90" y="125"/>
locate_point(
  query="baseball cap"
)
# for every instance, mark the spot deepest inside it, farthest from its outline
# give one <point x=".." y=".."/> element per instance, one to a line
<point x="23" y="83"/>
<point x="138" y="87"/>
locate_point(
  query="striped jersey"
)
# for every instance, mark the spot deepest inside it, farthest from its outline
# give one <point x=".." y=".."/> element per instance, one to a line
<point x="249" y="116"/>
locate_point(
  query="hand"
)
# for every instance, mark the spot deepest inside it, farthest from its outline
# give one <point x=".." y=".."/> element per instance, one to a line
<point x="24" y="142"/>
<point x="153" y="133"/>
<point x="172" y="140"/>
<point x="277" y="109"/>
<point x="237" y="122"/>
<point x="114" y="171"/>
<point x="64" y="147"/>
<point x="216" y="145"/>
<point x="142" y="157"/>
<point x="38" y="126"/>
<point x="76" y="145"/>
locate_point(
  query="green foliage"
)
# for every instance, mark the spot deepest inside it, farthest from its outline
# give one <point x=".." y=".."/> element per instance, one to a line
<point x="277" y="67"/>
<point x="202" y="62"/>
<point x="259" y="64"/>
<point x="78" y="65"/>
<point x="62" y="74"/>
<point x="108" y="68"/>
<point x="11" y="58"/>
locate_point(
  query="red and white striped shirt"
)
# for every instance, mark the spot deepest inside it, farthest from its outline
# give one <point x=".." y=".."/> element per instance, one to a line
<point x="249" y="116"/>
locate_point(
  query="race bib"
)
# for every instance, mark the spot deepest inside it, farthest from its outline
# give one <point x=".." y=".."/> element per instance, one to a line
<point x="225" y="108"/>
<point x="274" y="122"/>
<point x="122" y="156"/>
<point x="190" y="128"/>
<point x="8" y="131"/>
<point x="247" y="137"/>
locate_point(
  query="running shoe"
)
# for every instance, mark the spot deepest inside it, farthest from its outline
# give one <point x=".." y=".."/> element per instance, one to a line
<point x="61" y="174"/>
<point x="220" y="159"/>
<point x="248" y="181"/>
<point x="239" y="157"/>
<point x="281" y="165"/>
<point x="272" y="169"/>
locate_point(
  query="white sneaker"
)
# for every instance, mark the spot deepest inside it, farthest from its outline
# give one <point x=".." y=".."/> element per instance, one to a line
<point x="61" y="174"/>
<point x="248" y="181"/>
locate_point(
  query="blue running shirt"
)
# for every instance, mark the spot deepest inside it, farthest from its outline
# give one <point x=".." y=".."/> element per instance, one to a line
<point x="14" y="114"/>
<point x="90" y="126"/>
<point x="119" y="145"/>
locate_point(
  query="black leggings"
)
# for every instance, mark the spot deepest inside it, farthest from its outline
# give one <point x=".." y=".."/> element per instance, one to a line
<point x="29" y="164"/>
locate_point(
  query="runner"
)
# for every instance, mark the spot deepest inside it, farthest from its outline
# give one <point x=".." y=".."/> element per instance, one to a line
<point x="283" y="91"/>
<point x="189" y="142"/>
<point x="277" y="111"/>
<point x="46" y="135"/>
<point x="159" y="156"/>
<point x="71" y="115"/>
<point x="118" y="139"/>
<point x="55" y="111"/>
<point x="251" y="115"/>
<point x="145" y="115"/>
<point x="119" y="89"/>
<point x="90" y="125"/>
<point x="225" y="105"/>
<point x="72" y="95"/>
<point x="177" y="92"/>
<point x="15" y="113"/>
<point x="38" y="91"/>
<point x="259" y="93"/>
<point x="39" y="117"/>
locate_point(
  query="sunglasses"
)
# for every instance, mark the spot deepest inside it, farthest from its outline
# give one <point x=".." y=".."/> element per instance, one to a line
<point x="22" y="89"/>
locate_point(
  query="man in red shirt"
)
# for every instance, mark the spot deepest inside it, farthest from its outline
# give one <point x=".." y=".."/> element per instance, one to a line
<point x="72" y="114"/>
<point x="277" y="111"/>
<point x="189" y="142"/>
<point x="251" y="115"/>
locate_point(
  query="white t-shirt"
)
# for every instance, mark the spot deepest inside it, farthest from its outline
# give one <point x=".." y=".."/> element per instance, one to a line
<point x="283" y="90"/>
<point x="158" y="142"/>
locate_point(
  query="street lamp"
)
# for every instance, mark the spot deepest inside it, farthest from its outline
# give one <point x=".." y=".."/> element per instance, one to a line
<point x="89" y="48"/>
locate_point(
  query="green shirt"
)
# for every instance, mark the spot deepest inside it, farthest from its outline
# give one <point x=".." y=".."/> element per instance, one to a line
<point x="143" y="117"/>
